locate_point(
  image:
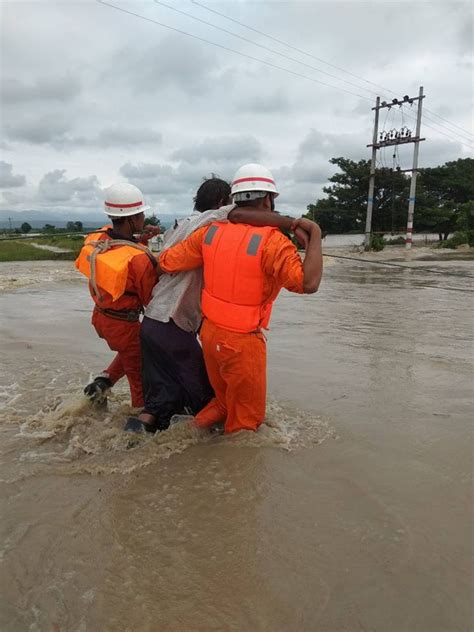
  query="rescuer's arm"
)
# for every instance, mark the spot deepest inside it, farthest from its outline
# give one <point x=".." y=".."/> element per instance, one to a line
<point x="313" y="261"/>
<point x="186" y="255"/>
<point x="142" y="275"/>
<point x="281" y="260"/>
<point x="248" y="215"/>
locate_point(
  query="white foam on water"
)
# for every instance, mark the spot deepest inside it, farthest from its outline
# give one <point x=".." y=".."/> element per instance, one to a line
<point x="66" y="432"/>
<point x="16" y="275"/>
<point x="89" y="440"/>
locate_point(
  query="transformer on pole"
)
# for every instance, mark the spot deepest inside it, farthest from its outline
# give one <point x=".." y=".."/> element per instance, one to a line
<point x="394" y="137"/>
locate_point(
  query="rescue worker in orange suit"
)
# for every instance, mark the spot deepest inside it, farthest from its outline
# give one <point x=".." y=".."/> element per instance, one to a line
<point x="122" y="273"/>
<point x="244" y="270"/>
<point x="173" y="370"/>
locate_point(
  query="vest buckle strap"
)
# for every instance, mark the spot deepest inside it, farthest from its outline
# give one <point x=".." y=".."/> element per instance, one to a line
<point x="127" y="315"/>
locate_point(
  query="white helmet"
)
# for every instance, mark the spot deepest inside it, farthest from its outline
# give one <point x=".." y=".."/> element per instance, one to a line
<point x="123" y="199"/>
<point x="251" y="182"/>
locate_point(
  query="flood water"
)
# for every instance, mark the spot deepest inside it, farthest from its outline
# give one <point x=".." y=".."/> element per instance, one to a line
<point x="351" y="508"/>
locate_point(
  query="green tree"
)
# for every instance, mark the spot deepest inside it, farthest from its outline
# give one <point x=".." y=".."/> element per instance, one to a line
<point x="78" y="226"/>
<point x="25" y="227"/>
<point x="70" y="227"/>
<point x="465" y="222"/>
<point x="152" y="220"/>
<point x="48" y="228"/>
<point x="442" y="191"/>
<point x="345" y="207"/>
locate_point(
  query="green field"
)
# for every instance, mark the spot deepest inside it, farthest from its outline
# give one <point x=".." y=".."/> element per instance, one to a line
<point x="74" y="242"/>
<point x="22" y="250"/>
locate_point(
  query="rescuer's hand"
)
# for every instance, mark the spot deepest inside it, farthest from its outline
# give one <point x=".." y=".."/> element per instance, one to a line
<point x="307" y="225"/>
<point x="149" y="231"/>
<point x="301" y="236"/>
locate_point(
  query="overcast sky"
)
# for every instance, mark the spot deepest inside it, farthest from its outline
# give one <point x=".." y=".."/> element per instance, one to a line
<point x="91" y="95"/>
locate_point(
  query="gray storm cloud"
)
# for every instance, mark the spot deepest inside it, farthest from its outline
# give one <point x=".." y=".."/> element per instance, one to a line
<point x="8" y="179"/>
<point x="62" y="89"/>
<point x="55" y="187"/>
<point x="237" y="150"/>
<point x="162" y="110"/>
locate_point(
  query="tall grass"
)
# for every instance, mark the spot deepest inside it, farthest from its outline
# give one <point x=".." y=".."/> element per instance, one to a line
<point x="23" y="251"/>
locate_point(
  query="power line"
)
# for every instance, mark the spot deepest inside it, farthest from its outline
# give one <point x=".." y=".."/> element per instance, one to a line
<point x="271" y="50"/>
<point x="449" y="122"/>
<point x="262" y="61"/>
<point x="382" y="151"/>
<point x="299" y="50"/>
<point x="466" y="142"/>
<point x="232" y="50"/>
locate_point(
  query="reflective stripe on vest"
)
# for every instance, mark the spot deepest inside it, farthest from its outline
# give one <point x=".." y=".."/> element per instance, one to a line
<point x="104" y="262"/>
<point x="232" y="295"/>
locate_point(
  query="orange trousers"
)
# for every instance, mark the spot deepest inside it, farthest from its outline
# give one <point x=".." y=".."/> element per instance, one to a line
<point x="124" y="338"/>
<point x="236" y="365"/>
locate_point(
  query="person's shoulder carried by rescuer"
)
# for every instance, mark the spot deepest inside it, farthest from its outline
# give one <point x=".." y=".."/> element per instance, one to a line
<point x="122" y="273"/>
<point x="174" y="375"/>
<point x="244" y="269"/>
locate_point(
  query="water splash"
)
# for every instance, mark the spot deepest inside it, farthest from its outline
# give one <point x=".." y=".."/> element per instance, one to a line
<point x="73" y="434"/>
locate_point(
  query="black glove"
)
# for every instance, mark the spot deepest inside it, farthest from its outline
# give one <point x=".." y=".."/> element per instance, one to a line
<point x="96" y="391"/>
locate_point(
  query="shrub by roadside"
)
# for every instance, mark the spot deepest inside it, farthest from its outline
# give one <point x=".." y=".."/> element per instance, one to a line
<point x="460" y="238"/>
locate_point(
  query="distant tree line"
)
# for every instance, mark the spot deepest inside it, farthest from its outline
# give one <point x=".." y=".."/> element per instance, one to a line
<point x="71" y="227"/>
<point x="444" y="199"/>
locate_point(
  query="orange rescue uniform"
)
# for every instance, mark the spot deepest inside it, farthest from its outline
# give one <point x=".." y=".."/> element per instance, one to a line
<point x="244" y="270"/>
<point x="121" y="335"/>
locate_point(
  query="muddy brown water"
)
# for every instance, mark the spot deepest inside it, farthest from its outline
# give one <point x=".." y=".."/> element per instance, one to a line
<point x="350" y="510"/>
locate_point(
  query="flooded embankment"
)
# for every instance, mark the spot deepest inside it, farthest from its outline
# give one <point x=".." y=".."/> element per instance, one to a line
<point x="349" y="510"/>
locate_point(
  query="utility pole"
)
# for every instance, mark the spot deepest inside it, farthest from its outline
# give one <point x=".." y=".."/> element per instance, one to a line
<point x="386" y="139"/>
<point x="370" y="199"/>
<point x="414" y="173"/>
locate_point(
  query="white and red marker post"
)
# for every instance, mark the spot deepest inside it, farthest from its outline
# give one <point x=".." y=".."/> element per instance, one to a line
<point x="414" y="173"/>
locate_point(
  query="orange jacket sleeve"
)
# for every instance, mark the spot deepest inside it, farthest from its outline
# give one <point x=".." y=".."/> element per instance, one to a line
<point x="186" y="255"/>
<point x="281" y="261"/>
<point x="142" y="278"/>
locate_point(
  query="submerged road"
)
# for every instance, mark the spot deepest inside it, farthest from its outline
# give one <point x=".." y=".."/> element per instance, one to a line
<point x="350" y="510"/>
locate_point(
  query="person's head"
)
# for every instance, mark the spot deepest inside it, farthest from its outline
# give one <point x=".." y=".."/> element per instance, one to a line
<point x="253" y="185"/>
<point x="129" y="225"/>
<point x="125" y="206"/>
<point x="212" y="194"/>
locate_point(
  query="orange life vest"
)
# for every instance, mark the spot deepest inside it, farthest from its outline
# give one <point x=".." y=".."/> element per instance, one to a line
<point x="104" y="261"/>
<point x="232" y="295"/>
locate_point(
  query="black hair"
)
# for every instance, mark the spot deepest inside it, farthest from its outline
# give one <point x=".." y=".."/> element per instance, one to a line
<point x="211" y="193"/>
<point x="256" y="202"/>
<point x="120" y="221"/>
<point x="117" y="221"/>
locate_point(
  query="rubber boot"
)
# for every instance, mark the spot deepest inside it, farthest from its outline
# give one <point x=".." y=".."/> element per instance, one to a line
<point x="97" y="390"/>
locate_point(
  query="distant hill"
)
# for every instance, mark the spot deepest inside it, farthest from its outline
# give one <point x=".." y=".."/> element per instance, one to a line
<point x="37" y="219"/>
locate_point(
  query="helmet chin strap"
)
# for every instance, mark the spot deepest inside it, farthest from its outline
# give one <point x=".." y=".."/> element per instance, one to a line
<point x="131" y="224"/>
